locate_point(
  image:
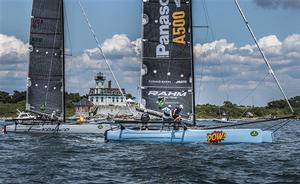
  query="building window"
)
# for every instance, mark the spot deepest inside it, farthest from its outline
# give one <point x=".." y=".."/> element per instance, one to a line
<point x="101" y="99"/>
<point x="113" y="99"/>
<point x="117" y="99"/>
<point x="122" y="99"/>
<point x="92" y="99"/>
<point x="96" y="99"/>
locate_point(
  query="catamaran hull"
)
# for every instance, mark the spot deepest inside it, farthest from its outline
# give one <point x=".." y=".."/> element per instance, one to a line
<point x="62" y="128"/>
<point x="192" y="136"/>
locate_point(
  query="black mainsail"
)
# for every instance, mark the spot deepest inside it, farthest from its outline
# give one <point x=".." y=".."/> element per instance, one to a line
<point x="167" y="70"/>
<point x="45" y="88"/>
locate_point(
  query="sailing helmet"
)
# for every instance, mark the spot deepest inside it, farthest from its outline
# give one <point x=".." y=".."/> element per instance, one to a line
<point x="181" y="106"/>
<point x="169" y="106"/>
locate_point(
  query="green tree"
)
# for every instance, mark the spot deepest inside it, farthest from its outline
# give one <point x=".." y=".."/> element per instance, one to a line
<point x="128" y="95"/>
<point x="4" y="97"/>
<point x="18" y="96"/>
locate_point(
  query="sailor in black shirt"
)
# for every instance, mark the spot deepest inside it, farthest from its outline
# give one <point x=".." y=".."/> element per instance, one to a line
<point x="176" y="113"/>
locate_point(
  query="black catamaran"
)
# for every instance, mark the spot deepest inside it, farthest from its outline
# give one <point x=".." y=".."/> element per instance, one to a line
<point x="46" y="74"/>
<point x="46" y="79"/>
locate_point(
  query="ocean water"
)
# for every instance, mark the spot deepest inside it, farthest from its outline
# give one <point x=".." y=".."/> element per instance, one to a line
<point x="29" y="158"/>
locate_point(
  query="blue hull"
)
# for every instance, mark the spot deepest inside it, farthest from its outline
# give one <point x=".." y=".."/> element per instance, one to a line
<point x="192" y="136"/>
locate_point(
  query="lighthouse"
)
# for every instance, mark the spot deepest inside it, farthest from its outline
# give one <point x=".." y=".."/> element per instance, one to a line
<point x="105" y="94"/>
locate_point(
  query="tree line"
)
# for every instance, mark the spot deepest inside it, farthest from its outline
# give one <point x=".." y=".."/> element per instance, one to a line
<point x="16" y="97"/>
<point x="230" y="110"/>
<point x="227" y="109"/>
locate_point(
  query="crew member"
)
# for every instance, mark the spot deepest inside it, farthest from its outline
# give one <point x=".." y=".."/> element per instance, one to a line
<point x="145" y="118"/>
<point x="177" y="113"/>
<point x="167" y="113"/>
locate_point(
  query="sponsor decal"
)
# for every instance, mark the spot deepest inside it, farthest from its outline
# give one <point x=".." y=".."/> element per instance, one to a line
<point x="167" y="93"/>
<point x="254" y="133"/>
<point x="215" y="137"/>
<point x="36" y="22"/>
<point x="55" y="129"/>
<point x="178" y="27"/>
<point x="160" y="81"/>
<point x="100" y="126"/>
<point x="43" y="107"/>
<point x="164" y="29"/>
<point x="181" y="82"/>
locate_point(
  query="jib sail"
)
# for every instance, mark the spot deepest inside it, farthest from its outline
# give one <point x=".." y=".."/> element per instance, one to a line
<point x="46" y="61"/>
<point x="167" y="70"/>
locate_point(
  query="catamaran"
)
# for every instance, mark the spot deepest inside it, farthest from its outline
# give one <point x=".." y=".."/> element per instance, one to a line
<point x="168" y="73"/>
<point x="46" y="75"/>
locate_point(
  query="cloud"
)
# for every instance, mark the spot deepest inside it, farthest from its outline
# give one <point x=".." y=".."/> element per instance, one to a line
<point x="12" y="47"/>
<point x="13" y="63"/>
<point x="272" y="4"/>
<point x="121" y="54"/>
<point x="235" y="69"/>
<point x="221" y="66"/>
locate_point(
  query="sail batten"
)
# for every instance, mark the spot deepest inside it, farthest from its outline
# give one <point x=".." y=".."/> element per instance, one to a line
<point x="45" y="86"/>
<point x="167" y="54"/>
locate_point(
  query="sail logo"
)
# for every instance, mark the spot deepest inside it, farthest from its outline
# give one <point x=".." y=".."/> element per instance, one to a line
<point x="36" y="22"/>
<point x="215" y="137"/>
<point x="179" y="27"/>
<point x="254" y="133"/>
<point x="167" y="93"/>
<point x="164" y="29"/>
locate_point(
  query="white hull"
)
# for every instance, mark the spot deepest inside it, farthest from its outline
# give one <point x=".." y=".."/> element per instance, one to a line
<point x="62" y="128"/>
<point x="191" y="136"/>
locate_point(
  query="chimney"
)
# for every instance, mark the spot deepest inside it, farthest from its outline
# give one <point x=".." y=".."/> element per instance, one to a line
<point x="109" y="84"/>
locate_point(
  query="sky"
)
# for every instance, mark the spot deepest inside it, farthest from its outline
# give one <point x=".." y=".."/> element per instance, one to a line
<point x="227" y="63"/>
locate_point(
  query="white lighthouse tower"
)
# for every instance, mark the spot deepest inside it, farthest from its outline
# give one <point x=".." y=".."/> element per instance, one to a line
<point x="105" y="95"/>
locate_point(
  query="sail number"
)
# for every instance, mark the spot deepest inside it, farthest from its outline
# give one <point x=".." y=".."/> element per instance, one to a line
<point x="179" y="27"/>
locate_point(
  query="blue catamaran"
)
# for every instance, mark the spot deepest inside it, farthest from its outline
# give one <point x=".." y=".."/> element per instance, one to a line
<point x="168" y="73"/>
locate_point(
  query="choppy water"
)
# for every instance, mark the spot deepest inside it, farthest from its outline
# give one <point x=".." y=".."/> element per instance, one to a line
<point x="51" y="159"/>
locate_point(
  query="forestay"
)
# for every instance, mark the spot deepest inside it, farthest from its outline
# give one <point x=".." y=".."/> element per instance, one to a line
<point x="46" y="64"/>
<point x="167" y="54"/>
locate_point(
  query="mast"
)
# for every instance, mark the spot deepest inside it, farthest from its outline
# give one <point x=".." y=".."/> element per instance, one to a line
<point x="141" y="57"/>
<point x="193" y="72"/>
<point x="263" y="55"/>
<point x="63" y="65"/>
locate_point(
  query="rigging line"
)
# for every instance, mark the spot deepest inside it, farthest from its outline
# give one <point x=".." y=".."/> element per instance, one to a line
<point x="69" y="34"/>
<point x="70" y="43"/>
<point x="279" y="122"/>
<point x="169" y="60"/>
<point x="263" y="55"/>
<point x="103" y="55"/>
<point x="51" y="61"/>
<point x="253" y="90"/>
<point x="40" y="7"/>
<point x="281" y="126"/>
<point x="202" y="63"/>
<point x="140" y="52"/>
<point x="247" y="123"/>
<point x="214" y="38"/>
